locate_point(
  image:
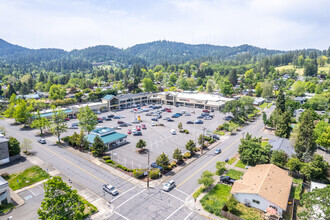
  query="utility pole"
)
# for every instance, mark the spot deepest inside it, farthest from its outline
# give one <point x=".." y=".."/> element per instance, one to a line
<point x="148" y="169"/>
<point x="202" y="142"/>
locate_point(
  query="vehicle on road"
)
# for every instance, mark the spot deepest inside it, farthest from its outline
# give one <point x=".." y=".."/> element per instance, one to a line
<point x="217" y="151"/>
<point x="173" y="132"/>
<point x="73" y="127"/>
<point x="42" y="141"/>
<point x="137" y="133"/>
<point x="168" y="186"/>
<point x="129" y="131"/>
<point x="116" y="117"/>
<point x="144" y="126"/>
<point x="227" y="180"/>
<point x="199" y="122"/>
<point x="110" y="189"/>
<point x="190" y="122"/>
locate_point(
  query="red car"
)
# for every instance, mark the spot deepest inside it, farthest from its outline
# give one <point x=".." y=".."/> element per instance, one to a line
<point x="206" y="111"/>
<point x="120" y="122"/>
<point x="168" y="110"/>
<point x="99" y="119"/>
<point x="138" y="128"/>
<point x="129" y="131"/>
<point x="144" y="126"/>
<point x="67" y="119"/>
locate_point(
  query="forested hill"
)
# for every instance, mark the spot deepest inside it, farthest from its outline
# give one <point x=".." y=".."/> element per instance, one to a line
<point x="152" y="53"/>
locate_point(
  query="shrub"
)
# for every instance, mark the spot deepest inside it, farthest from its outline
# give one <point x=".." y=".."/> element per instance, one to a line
<point x="219" y="128"/>
<point x="187" y="155"/>
<point x="173" y="164"/>
<point x="211" y="141"/>
<point x="5" y="176"/>
<point x="207" y="138"/>
<point x="154" y="173"/>
<point x="66" y="139"/>
<point x="124" y="168"/>
<point x="110" y="161"/>
<point x="138" y="173"/>
<point x="106" y="157"/>
<point x="186" y="131"/>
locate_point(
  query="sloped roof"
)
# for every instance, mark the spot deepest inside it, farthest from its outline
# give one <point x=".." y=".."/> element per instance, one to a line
<point x="282" y="144"/>
<point x="268" y="181"/>
<point x="106" y="138"/>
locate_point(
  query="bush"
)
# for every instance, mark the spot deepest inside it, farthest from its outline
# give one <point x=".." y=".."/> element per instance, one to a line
<point x="138" y="173"/>
<point x="207" y="138"/>
<point x="211" y="141"/>
<point x="5" y="176"/>
<point x="154" y="174"/>
<point x="110" y="161"/>
<point x="124" y="168"/>
<point x="173" y="164"/>
<point x="106" y="157"/>
<point x="187" y="155"/>
<point x="66" y="139"/>
<point x="219" y="128"/>
<point x="186" y="131"/>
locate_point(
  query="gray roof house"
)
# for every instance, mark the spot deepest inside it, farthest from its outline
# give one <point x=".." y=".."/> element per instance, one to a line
<point x="282" y="144"/>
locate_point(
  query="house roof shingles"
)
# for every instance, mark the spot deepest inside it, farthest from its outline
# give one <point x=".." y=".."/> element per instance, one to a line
<point x="268" y="181"/>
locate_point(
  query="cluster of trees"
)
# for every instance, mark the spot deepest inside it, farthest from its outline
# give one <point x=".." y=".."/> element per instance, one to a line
<point x="240" y="109"/>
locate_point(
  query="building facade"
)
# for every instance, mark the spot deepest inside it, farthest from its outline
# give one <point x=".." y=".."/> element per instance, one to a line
<point x="4" y="152"/>
<point x="4" y="192"/>
<point x="109" y="137"/>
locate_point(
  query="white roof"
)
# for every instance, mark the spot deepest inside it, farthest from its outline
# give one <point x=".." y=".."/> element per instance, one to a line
<point x="315" y="185"/>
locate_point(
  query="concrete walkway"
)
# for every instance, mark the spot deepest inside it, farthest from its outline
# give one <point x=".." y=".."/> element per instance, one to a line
<point x="105" y="209"/>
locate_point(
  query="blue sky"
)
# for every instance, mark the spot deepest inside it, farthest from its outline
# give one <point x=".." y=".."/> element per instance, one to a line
<point x="71" y="24"/>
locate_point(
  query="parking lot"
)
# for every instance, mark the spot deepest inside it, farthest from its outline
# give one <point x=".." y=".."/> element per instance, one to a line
<point x="158" y="138"/>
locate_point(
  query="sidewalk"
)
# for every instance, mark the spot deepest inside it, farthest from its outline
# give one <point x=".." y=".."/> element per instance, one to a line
<point x="105" y="210"/>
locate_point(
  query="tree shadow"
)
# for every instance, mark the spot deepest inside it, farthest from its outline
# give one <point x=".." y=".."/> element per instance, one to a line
<point x="22" y="159"/>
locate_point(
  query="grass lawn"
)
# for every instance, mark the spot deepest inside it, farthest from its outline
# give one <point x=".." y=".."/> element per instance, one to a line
<point x="216" y="199"/>
<point x="300" y="71"/>
<point x="264" y="143"/>
<point x="6" y="207"/>
<point x="198" y="192"/>
<point x="234" y="174"/>
<point x="27" y="177"/>
<point x="296" y="190"/>
<point x="89" y="208"/>
<point x="263" y="105"/>
<point x="247" y="212"/>
<point x="240" y="164"/>
<point x="231" y="161"/>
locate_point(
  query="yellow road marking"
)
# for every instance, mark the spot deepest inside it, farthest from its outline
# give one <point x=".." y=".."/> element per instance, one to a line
<point x="210" y="161"/>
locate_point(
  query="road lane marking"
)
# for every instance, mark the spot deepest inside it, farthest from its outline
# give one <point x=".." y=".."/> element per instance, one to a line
<point x="174" y="212"/>
<point x="123" y="194"/>
<point x="188" y="216"/>
<point x="181" y="191"/>
<point x="121" y="215"/>
<point x="131" y="198"/>
<point x="173" y="196"/>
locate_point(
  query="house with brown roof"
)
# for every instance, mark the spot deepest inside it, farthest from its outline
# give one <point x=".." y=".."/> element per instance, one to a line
<point x="264" y="187"/>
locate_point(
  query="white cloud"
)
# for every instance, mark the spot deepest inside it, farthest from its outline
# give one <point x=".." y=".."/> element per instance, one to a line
<point x="278" y="24"/>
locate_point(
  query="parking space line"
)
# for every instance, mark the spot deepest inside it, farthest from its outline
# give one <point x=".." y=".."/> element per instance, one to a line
<point x="32" y="192"/>
<point x="181" y="191"/>
<point x="121" y="215"/>
<point x="188" y="215"/>
<point x="123" y="193"/>
<point x="131" y="198"/>
<point x="174" y="212"/>
<point x="174" y="196"/>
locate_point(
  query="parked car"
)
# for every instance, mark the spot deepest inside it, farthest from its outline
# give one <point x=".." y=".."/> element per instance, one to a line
<point x="168" y="110"/>
<point x="154" y="165"/>
<point x="175" y="116"/>
<point x="204" y="114"/>
<point x="149" y="114"/>
<point x="206" y="110"/>
<point x="67" y="119"/>
<point x="216" y="137"/>
<point x="120" y="122"/>
<point x="42" y="141"/>
<point x="190" y="122"/>
<point x="166" y="118"/>
<point x="110" y="189"/>
<point x="104" y="118"/>
<point x="116" y="128"/>
<point x="168" y="186"/>
<point x="170" y="120"/>
<point x="187" y="114"/>
<point x="173" y="132"/>
<point x="133" y="129"/>
<point x="73" y="127"/>
<point x="129" y="131"/>
<point x="111" y="116"/>
<point x="99" y="121"/>
<point x="144" y="126"/>
<point x="226" y="160"/>
<point x="135" y="122"/>
<point x="227" y="180"/>
<point x="200" y="117"/>
<point x="212" y="110"/>
<point x="153" y="124"/>
<point x="208" y="118"/>
<point x="199" y="122"/>
<point x="123" y="125"/>
<point x="108" y="119"/>
<point x="116" y="117"/>
<point x="137" y="133"/>
<point x="154" y="119"/>
<point x="75" y="124"/>
<point x="217" y="151"/>
<point x="228" y="117"/>
<point x="138" y="128"/>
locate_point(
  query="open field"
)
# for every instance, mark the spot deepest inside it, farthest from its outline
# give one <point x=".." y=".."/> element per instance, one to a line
<point x="300" y="71"/>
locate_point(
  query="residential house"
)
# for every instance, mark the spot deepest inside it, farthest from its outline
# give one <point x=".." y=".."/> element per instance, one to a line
<point x="282" y="144"/>
<point x="264" y="187"/>
<point x="258" y="101"/>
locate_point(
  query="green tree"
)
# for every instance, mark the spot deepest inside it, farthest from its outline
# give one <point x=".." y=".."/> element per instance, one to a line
<point x="237" y="108"/>
<point x="148" y="85"/>
<point x="57" y="92"/>
<point x="190" y="146"/>
<point x="13" y="146"/>
<point x="22" y="112"/>
<point x="98" y="147"/>
<point x="315" y="204"/>
<point x="221" y="168"/>
<point x="180" y="126"/>
<point x="252" y="153"/>
<point x="87" y="119"/>
<point x="226" y="88"/>
<point x="40" y="122"/>
<point x="280" y="102"/>
<point x="305" y="145"/>
<point x="294" y="164"/>
<point x="301" y="61"/>
<point x="319" y="167"/>
<point x="13" y="99"/>
<point x="322" y="133"/>
<point x="206" y="179"/>
<point x="26" y="145"/>
<point x="177" y="154"/>
<point x="58" y="125"/>
<point x="298" y="88"/>
<point x="60" y="201"/>
<point x="283" y="125"/>
<point x="9" y="113"/>
<point x="258" y="89"/>
<point x="231" y="204"/>
<point x="78" y="96"/>
<point x="173" y="78"/>
<point x="141" y="144"/>
<point x="209" y="86"/>
<point x="182" y="83"/>
<point x="191" y="83"/>
<point x="310" y="67"/>
<point x="163" y="161"/>
<point x="279" y="158"/>
<point x="267" y="89"/>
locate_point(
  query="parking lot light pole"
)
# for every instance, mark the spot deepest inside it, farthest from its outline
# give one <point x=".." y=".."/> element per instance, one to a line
<point x="148" y="169"/>
<point x="202" y="142"/>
